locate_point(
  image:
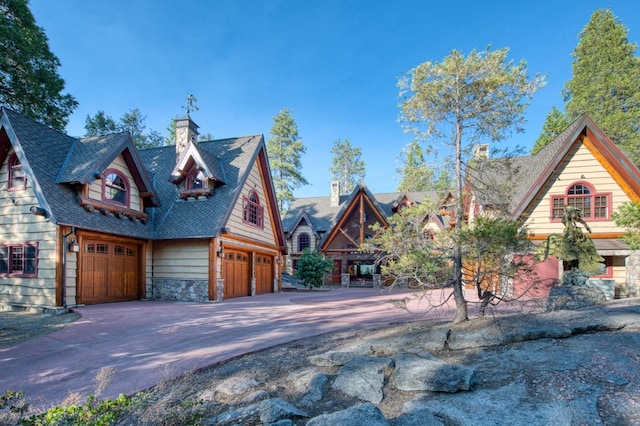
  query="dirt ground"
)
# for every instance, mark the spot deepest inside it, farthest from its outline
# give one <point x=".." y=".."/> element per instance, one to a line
<point x="19" y="326"/>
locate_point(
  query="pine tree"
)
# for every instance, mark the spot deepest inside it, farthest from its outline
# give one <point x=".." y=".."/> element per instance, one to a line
<point x="285" y="149"/>
<point x="605" y="81"/>
<point x="99" y="125"/>
<point x="457" y="103"/>
<point x="414" y="173"/>
<point x="554" y="124"/>
<point x="347" y="167"/>
<point x="29" y="80"/>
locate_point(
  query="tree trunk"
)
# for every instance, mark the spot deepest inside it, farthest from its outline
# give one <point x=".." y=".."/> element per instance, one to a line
<point x="458" y="291"/>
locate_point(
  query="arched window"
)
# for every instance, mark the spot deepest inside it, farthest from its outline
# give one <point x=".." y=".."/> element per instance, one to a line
<point x="253" y="212"/>
<point x="115" y="187"/>
<point x="17" y="180"/>
<point x="195" y="179"/>
<point x="304" y="241"/>
<point x="583" y="196"/>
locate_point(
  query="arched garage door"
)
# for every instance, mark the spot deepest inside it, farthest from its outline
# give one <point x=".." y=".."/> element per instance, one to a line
<point x="109" y="271"/>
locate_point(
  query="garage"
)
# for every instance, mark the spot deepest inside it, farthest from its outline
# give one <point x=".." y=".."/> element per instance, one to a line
<point x="109" y="271"/>
<point x="264" y="274"/>
<point x="235" y="272"/>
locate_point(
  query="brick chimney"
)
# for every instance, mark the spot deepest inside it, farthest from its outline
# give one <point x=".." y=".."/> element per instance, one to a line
<point x="186" y="131"/>
<point x="335" y="193"/>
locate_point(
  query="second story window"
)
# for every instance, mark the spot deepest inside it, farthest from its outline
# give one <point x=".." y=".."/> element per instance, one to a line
<point x="304" y="241"/>
<point x="253" y="212"/>
<point x="115" y="188"/>
<point x="583" y="196"/>
<point x="195" y="180"/>
<point x="16" y="179"/>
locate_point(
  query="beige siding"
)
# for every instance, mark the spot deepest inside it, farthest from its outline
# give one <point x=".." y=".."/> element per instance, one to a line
<point x="18" y="225"/>
<point x="184" y="260"/>
<point x="95" y="189"/>
<point x="71" y="278"/>
<point x="236" y="224"/>
<point x="299" y="230"/>
<point x="148" y="273"/>
<point x="579" y="165"/>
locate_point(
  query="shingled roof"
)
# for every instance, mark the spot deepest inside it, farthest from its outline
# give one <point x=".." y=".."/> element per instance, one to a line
<point x="526" y="175"/>
<point x="323" y="215"/>
<point x="59" y="162"/>
<point x="177" y="218"/>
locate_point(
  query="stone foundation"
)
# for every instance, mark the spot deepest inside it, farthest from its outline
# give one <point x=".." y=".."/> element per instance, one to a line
<point x="181" y="290"/>
<point x="631" y="287"/>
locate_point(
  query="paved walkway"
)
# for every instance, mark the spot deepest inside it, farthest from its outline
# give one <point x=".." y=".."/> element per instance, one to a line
<point x="147" y="341"/>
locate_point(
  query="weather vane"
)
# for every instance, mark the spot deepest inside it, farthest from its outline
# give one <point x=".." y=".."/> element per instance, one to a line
<point x="191" y="104"/>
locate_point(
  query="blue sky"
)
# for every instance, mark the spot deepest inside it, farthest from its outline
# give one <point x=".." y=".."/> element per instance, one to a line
<point x="335" y="63"/>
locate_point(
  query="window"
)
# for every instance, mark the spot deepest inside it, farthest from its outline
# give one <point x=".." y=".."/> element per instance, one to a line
<point x="17" y="179"/>
<point x="195" y="180"/>
<point x="253" y="212"/>
<point x="115" y="188"/>
<point x="19" y="260"/>
<point x="581" y="195"/>
<point x="304" y="241"/>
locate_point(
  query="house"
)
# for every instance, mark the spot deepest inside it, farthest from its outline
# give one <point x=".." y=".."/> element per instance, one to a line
<point x="96" y="220"/>
<point x="582" y="168"/>
<point x="336" y="225"/>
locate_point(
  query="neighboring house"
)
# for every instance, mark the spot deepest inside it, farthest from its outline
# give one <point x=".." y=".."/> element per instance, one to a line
<point x="582" y="168"/>
<point x="337" y="225"/>
<point x="96" y="220"/>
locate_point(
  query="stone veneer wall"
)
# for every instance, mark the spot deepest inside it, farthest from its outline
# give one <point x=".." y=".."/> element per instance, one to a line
<point x="631" y="287"/>
<point x="181" y="290"/>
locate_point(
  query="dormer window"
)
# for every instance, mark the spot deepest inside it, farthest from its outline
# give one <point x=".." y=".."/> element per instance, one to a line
<point x="304" y="242"/>
<point x="195" y="180"/>
<point x="115" y="187"/>
<point x="17" y="180"/>
<point x="252" y="211"/>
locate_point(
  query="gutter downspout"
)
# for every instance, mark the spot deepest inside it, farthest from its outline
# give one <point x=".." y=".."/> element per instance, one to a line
<point x="64" y="266"/>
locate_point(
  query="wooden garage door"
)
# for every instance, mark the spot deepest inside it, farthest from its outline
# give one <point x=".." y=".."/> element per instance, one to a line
<point x="109" y="272"/>
<point x="235" y="272"/>
<point x="264" y="274"/>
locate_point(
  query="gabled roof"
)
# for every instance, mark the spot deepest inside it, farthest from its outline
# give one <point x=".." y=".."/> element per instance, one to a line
<point x="203" y="159"/>
<point x="322" y="216"/>
<point x="537" y="169"/>
<point x="43" y="152"/>
<point x="177" y="218"/>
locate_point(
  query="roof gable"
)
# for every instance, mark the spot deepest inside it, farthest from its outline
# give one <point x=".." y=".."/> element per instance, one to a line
<point x="360" y="200"/>
<point x="194" y="157"/>
<point x="539" y="168"/>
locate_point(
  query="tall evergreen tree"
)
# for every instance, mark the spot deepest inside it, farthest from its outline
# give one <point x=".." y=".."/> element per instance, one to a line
<point x="605" y="81"/>
<point x="29" y="80"/>
<point x="554" y="124"/>
<point x="459" y="102"/>
<point x="99" y="125"/>
<point x="285" y="149"/>
<point x="347" y="167"/>
<point x="414" y="173"/>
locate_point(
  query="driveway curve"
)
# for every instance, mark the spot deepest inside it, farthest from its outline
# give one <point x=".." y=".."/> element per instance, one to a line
<point x="147" y="341"/>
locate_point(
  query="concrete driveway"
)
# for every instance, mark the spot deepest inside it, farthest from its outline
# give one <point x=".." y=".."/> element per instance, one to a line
<point x="147" y="341"/>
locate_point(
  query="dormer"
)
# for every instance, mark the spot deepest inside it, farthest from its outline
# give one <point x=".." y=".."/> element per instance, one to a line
<point x="196" y="173"/>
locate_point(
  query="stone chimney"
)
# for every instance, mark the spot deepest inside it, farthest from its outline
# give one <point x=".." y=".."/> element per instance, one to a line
<point x="481" y="151"/>
<point x="186" y="131"/>
<point x="335" y="193"/>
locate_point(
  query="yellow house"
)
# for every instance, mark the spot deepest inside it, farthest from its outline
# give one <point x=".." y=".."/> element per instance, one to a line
<point x="582" y="168"/>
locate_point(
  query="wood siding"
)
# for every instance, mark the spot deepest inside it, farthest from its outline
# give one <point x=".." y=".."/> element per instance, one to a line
<point x="294" y="239"/>
<point x="19" y="225"/>
<point x="95" y="189"/>
<point x="181" y="260"/>
<point x="579" y="165"/>
<point x="237" y="226"/>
